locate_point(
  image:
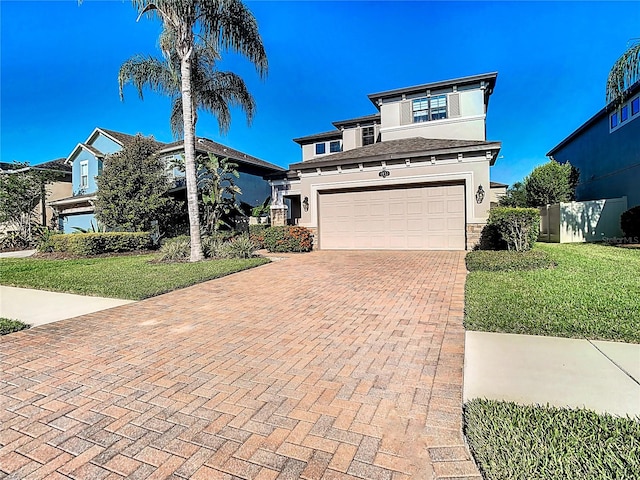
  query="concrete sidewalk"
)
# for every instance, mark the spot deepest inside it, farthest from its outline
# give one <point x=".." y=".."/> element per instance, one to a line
<point x="562" y="372"/>
<point x="38" y="307"/>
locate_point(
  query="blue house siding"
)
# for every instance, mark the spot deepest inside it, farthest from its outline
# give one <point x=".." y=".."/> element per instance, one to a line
<point x="105" y="145"/>
<point x="609" y="163"/>
<point x="95" y="167"/>
<point x="254" y="189"/>
<point x="82" y="221"/>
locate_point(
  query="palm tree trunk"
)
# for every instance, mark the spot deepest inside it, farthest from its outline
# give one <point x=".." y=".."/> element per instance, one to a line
<point x="190" y="160"/>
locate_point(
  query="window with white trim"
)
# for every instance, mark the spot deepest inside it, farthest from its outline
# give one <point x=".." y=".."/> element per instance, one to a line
<point x="84" y="174"/>
<point x="368" y="136"/>
<point x="320" y="148"/>
<point x="335" y="146"/>
<point x="429" y="108"/>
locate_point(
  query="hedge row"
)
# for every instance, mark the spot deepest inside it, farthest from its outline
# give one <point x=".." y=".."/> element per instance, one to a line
<point x="497" y="261"/>
<point x="97" y="243"/>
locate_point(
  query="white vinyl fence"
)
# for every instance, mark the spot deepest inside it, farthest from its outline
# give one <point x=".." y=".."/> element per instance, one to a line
<point x="592" y="221"/>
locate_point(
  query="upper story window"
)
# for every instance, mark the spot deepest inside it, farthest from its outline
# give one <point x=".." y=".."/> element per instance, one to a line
<point x="624" y="113"/>
<point x="335" y="146"/>
<point x="431" y="108"/>
<point x="320" y="148"/>
<point x="368" y="136"/>
<point x="628" y="111"/>
<point x="84" y="174"/>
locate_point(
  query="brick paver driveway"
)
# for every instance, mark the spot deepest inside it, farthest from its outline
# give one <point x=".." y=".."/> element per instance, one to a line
<point x="325" y="365"/>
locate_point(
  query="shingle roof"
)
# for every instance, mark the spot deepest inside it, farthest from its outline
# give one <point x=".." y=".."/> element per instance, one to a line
<point x="96" y="153"/>
<point x="209" y="146"/>
<point x="318" y="136"/>
<point x="125" y="138"/>
<point x="57" y="164"/>
<point x="398" y="148"/>
<point x="353" y="121"/>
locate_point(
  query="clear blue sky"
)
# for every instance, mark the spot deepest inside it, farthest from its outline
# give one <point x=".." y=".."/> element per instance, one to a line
<point x="60" y="63"/>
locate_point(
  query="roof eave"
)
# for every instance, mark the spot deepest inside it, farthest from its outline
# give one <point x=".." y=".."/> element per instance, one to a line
<point x="329" y="162"/>
<point x="491" y="77"/>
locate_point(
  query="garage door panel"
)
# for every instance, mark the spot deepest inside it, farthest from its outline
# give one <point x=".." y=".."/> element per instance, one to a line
<point x="424" y="217"/>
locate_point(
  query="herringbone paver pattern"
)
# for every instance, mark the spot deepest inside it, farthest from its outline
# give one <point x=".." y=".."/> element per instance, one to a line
<point x="332" y="365"/>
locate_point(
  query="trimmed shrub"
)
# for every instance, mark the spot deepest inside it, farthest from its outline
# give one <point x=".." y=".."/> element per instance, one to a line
<point x="97" y="243"/>
<point x="239" y="247"/>
<point x="490" y="239"/>
<point x="288" y="239"/>
<point x="8" y="325"/>
<point x="499" y="261"/>
<point x="256" y="234"/>
<point x="630" y="222"/>
<point x="518" y="227"/>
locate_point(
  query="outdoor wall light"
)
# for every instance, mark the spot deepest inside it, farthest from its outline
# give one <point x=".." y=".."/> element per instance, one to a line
<point x="480" y="194"/>
<point x="305" y="204"/>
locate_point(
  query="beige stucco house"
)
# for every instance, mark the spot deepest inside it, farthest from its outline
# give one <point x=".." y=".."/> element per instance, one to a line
<point x="413" y="175"/>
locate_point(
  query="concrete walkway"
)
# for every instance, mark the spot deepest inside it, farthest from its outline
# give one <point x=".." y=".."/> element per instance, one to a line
<point x="39" y="307"/>
<point x="562" y="372"/>
<point x="329" y="365"/>
<point x="17" y="254"/>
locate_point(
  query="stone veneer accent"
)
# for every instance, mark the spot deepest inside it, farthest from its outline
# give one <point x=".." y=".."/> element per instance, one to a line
<point x="278" y="216"/>
<point x="474" y="231"/>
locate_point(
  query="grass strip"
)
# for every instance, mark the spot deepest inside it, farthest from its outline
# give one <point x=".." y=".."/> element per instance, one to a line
<point x="129" y="277"/>
<point x="8" y="325"/>
<point x="593" y="292"/>
<point x="511" y="441"/>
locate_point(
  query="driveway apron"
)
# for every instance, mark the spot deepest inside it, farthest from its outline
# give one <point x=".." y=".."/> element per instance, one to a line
<point x="324" y="365"/>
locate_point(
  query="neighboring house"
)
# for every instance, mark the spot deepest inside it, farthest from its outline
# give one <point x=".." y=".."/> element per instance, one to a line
<point x="414" y="175"/>
<point x="87" y="161"/>
<point x="59" y="188"/>
<point x="606" y="150"/>
<point x="496" y="192"/>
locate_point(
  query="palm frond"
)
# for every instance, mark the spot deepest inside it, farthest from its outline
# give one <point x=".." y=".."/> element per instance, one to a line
<point x="624" y="73"/>
<point x="230" y="25"/>
<point x="149" y="72"/>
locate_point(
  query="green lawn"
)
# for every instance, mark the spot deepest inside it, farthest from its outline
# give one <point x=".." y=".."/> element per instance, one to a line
<point x="129" y="277"/>
<point x="593" y="292"/>
<point x="510" y="441"/>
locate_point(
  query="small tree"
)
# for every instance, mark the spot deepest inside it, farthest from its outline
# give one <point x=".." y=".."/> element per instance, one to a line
<point x="132" y="189"/>
<point x="21" y="189"/>
<point x="516" y="196"/>
<point x="550" y="183"/>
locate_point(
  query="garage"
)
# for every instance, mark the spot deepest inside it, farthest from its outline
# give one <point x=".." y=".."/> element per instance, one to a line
<point x="425" y="217"/>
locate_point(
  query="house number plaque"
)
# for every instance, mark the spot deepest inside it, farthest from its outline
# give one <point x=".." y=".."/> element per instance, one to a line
<point x="384" y="173"/>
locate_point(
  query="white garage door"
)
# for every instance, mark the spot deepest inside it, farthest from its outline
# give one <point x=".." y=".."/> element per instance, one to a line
<point x="416" y="218"/>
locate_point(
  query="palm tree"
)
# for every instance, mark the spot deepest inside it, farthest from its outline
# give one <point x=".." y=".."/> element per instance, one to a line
<point x="624" y="73"/>
<point x="193" y="27"/>
<point x="212" y="90"/>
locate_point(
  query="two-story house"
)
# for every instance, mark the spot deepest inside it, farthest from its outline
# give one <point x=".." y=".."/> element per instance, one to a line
<point x="606" y="151"/>
<point x="413" y="175"/>
<point x="87" y="160"/>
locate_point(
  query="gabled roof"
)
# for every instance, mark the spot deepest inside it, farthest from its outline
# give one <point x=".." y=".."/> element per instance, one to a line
<point x="318" y="136"/>
<point x="206" y="145"/>
<point x="488" y="78"/>
<point x="120" y="138"/>
<point x="58" y="165"/>
<point x="396" y="149"/>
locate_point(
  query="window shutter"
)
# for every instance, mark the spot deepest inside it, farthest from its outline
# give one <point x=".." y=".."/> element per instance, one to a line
<point x="405" y="112"/>
<point x="358" y="137"/>
<point x="376" y="130"/>
<point x="454" y="105"/>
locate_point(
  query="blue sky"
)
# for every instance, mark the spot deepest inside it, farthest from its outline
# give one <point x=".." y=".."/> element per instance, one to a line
<point x="59" y="65"/>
